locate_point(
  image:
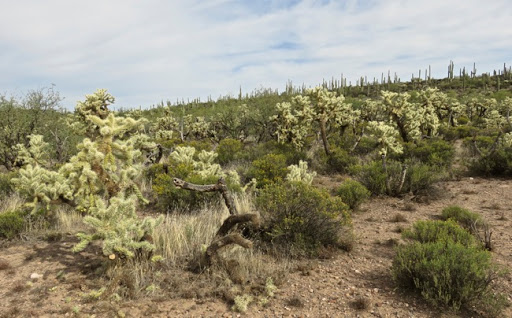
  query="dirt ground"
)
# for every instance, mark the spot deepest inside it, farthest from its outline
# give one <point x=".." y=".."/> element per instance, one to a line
<point x="333" y="287"/>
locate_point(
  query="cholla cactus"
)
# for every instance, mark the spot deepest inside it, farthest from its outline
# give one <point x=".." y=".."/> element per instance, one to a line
<point x="36" y="154"/>
<point x="407" y="116"/>
<point x="98" y="178"/>
<point x="204" y="165"/>
<point x="35" y="181"/>
<point x="119" y="227"/>
<point x="183" y="155"/>
<point x="166" y="126"/>
<point x="294" y="120"/>
<point x="292" y="126"/>
<point x="299" y="173"/>
<point x="387" y="137"/>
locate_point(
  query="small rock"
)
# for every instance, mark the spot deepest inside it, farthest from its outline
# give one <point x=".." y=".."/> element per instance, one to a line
<point x="357" y="271"/>
<point x="35" y="276"/>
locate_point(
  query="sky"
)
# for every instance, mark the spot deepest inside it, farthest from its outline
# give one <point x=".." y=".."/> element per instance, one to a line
<point x="149" y="51"/>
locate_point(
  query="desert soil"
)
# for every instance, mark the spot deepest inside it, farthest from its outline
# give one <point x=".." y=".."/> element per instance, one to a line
<point x="332" y="287"/>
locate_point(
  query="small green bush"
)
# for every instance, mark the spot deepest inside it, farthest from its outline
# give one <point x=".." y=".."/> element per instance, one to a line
<point x="338" y="161"/>
<point x="465" y="131"/>
<point x="445" y="273"/>
<point x="446" y="266"/>
<point x="431" y="152"/>
<point x="497" y="164"/>
<point x="291" y="154"/>
<point x="299" y="219"/>
<point x="11" y="224"/>
<point x="6" y="186"/>
<point x="419" y="176"/>
<point x="437" y="231"/>
<point x="269" y="169"/>
<point x="229" y="149"/>
<point x="372" y="176"/>
<point x="464" y="217"/>
<point x="353" y="193"/>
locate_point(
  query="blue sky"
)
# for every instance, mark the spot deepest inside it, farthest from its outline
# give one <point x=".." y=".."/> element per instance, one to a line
<point x="147" y="51"/>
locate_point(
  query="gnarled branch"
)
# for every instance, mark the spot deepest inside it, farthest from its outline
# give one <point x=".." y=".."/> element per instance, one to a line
<point x="223" y="236"/>
<point x="220" y="186"/>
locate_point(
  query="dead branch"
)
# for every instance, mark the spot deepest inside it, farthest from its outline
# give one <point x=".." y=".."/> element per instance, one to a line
<point x="216" y="245"/>
<point x="233" y="220"/>
<point x="220" y="186"/>
<point x="223" y="236"/>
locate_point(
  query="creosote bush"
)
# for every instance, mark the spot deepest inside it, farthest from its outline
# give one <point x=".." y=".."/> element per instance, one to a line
<point x="269" y="169"/>
<point x="463" y="216"/>
<point x="11" y="224"/>
<point x="229" y="149"/>
<point x="6" y="187"/>
<point x="418" y="176"/>
<point x="445" y="265"/>
<point x="431" y="152"/>
<point x="352" y="193"/>
<point x="299" y="219"/>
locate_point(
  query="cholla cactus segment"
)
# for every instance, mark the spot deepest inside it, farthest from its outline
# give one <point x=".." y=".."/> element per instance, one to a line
<point x="507" y="140"/>
<point x="41" y="185"/>
<point x="205" y="166"/>
<point x="300" y="173"/>
<point x="183" y="155"/>
<point x="95" y="104"/>
<point x="387" y="137"/>
<point x="37" y="152"/>
<point x="165" y="126"/>
<point x="200" y="128"/>
<point x="250" y="186"/>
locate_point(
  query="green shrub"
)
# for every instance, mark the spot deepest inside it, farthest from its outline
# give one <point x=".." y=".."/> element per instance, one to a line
<point x="498" y="163"/>
<point x="291" y="154"/>
<point x="300" y="219"/>
<point x="418" y="177"/>
<point x="228" y="150"/>
<point x="464" y="217"/>
<point x="446" y="266"/>
<point x="11" y="224"/>
<point x="444" y="272"/>
<point x="437" y="231"/>
<point x="431" y="152"/>
<point x="465" y="131"/>
<point x="269" y="169"/>
<point x="6" y="187"/>
<point x="372" y="176"/>
<point x="338" y="161"/>
<point x="353" y="193"/>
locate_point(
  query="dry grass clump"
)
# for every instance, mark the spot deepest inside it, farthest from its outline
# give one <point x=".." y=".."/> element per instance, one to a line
<point x="295" y="301"/>
<point x="398" y="217"/>
<point x="68" y="220"/>
<point x="11" y="203"/>
<point x="4" y="265"/>
<point x="361" y="303"/>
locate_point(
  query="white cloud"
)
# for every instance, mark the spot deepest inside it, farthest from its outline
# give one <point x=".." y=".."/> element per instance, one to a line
<point x="147" y="51"/>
